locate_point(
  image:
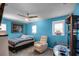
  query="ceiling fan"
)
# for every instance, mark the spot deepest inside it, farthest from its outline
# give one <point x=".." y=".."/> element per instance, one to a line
<point x="28" y="16"/>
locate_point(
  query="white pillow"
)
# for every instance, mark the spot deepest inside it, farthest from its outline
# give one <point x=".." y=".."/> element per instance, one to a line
<point x="30" y="36"/>
<point x="23" y="36"/>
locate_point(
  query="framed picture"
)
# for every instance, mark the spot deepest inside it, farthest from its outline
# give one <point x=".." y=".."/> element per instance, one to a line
<point x="17" y="27"/>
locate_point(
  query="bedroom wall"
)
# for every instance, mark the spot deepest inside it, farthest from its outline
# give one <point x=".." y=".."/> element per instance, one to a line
<point x="76" y="11"/>
<point x="44" y="27"/>
<point x="8" y="24"/>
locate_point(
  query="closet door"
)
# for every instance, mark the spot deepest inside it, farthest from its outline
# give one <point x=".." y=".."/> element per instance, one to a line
<point x="73" y="35"/>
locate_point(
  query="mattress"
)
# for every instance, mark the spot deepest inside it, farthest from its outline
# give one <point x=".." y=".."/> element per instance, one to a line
<point x="19" y="41"/>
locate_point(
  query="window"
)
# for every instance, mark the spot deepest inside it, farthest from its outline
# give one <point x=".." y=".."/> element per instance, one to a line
<point x="58" y="27"/>
<point x="3" y="27"/>
<point x="34" y="29"/>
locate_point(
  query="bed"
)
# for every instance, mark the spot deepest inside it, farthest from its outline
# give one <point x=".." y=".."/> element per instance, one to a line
<point x="20" y="43"/>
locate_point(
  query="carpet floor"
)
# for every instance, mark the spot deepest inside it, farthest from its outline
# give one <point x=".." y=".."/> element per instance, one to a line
<point x="31" y="52"/>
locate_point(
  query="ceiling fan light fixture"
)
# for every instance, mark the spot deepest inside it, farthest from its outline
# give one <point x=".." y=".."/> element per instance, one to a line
<point x="26" y="19"/>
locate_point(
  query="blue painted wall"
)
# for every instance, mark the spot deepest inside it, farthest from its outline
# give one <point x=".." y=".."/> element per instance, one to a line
<point x="9" y="28"/>
<point x="76" y="11"/>
<point x="44" y="27"/>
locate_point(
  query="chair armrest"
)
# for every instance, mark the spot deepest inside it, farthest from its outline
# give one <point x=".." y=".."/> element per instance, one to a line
<point x="44" y="44"/>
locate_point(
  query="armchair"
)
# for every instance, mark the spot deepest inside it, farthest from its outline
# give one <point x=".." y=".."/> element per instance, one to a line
<point x="41" y="45"/>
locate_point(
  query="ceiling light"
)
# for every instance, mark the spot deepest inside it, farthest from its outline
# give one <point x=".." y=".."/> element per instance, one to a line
<point x="26" y="19"/>
<point x="31" y="19"/>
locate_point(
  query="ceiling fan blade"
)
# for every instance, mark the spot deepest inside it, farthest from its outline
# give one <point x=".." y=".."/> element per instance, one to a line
<point x="21" y="15"/>
<point x="27" y="16"/>
<point x="33" y="16"/>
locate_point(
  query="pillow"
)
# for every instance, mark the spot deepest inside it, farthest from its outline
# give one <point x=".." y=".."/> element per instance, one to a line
<point x="30" y="36"/>
<point x="23" y="36"/>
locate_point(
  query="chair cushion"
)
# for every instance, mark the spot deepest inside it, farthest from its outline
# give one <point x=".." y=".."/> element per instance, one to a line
<point x="38" y="45"/>
<point x="43" y="39"/>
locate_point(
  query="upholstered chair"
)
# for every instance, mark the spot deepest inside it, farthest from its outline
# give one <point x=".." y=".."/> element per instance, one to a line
<point x="41" y="45"/>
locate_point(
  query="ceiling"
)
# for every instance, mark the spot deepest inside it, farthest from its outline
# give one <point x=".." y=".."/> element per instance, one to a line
<point x="44" y="10"/>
